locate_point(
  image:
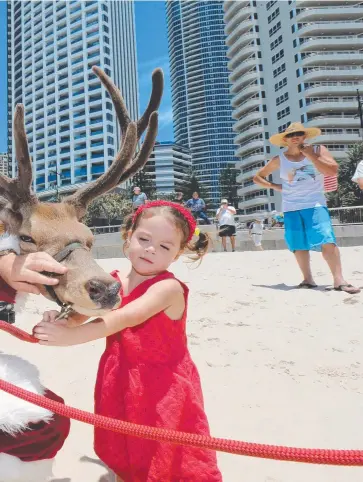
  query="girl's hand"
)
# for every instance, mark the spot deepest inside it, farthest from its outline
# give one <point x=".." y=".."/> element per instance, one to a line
<point x="50" y="316"/>
<point x="55" y="333"/>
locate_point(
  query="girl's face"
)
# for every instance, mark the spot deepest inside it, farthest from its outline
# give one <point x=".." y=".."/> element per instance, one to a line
<point x="154" y="245"/>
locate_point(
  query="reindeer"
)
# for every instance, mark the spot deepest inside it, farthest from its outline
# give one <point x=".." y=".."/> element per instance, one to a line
<point x="57" y="229"/>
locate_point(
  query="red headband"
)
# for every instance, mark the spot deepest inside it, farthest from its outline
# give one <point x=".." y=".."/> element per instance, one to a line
<point x="183" y="211"/>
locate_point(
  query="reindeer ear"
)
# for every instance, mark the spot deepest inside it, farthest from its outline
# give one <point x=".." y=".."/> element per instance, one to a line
<point x="11" y="219"/>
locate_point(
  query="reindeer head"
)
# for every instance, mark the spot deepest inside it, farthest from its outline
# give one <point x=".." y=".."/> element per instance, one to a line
<point x="57" y="228"/>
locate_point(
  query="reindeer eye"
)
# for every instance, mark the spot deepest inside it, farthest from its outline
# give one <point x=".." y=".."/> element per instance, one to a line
<point x="26" y="239"/>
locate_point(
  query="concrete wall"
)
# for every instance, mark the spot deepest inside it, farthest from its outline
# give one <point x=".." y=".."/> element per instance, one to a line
<point x="110" y="245"/>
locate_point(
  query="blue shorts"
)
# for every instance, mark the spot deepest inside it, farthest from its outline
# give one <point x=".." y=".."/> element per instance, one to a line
<point x="308" y="229"/>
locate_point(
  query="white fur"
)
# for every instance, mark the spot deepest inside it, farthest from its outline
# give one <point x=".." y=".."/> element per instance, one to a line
<point x="9" y="241"/>
<point x="13" y="469"/>
<point x="16" y="414"/>
<point x="20" y="301"/>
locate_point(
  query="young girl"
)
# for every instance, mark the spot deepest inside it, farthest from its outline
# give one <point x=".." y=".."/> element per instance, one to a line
<point x="146" y="374"/>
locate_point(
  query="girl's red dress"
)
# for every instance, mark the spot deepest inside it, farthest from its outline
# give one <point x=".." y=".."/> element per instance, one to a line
<point x="146" y="376"/>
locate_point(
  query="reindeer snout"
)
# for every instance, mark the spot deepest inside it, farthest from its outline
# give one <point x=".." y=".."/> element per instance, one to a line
<point x="103" y="293"/>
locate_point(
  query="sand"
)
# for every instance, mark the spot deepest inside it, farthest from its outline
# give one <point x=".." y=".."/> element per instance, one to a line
<point x="278" y="365"/>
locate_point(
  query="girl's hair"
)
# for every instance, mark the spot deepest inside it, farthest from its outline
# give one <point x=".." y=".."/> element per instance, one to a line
<point x="199" y="248"/>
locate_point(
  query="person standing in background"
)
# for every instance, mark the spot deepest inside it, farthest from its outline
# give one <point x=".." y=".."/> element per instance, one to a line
<point x="256" y="230"/>
<point x="307" y="221"/>
<point x="227" y="226"/>
<point x="138" y="199"/>
<point x="179" y="197"/>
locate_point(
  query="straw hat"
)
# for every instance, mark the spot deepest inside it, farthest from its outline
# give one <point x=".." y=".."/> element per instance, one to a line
<point x="310" y="132"/>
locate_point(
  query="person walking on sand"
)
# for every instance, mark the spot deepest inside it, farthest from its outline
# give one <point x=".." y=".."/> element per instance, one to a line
<point x="227" y="226"/>
<point x="307" y="221"/>
<point x="146" y="374"/>
<point x="256" y="229"/>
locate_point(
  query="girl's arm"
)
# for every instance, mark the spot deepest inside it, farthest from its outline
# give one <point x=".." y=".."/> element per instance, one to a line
<point x="260" y="177"/>
<point x="158" y="298"/>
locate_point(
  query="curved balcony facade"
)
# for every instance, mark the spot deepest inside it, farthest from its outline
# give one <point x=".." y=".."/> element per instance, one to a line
<point x="243" y="38"/>
<point x="329" y="36"/>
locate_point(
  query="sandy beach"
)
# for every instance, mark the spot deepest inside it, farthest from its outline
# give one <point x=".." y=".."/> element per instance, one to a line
<point x="278" y="365"/>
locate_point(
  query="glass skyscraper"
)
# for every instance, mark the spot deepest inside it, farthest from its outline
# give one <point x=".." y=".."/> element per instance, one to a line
<point x="69" y="117"/>
<point x="200" y="88"/>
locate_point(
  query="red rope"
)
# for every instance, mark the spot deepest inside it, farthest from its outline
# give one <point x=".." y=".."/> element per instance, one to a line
<point x="293" y="454"/>
<point x="17" y="332"/>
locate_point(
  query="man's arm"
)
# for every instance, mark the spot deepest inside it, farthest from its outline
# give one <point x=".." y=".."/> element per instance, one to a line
<point x="23" y="272"/>
<point x="260" y="177"/>
<point x="322" y="160"/>
<point x="231" y="209"/>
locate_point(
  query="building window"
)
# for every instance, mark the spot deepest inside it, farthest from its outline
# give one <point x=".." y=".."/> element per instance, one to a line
<point x="281" y="68"/>
<point x="270" y="4"/>
<point x="273" y="15"/>
<point x="278" y="56"/>
<point x="274" y="29"/>
<point x="276" y="42"/>
<point x="282" y="98"/>
<point x="283" y="113"/>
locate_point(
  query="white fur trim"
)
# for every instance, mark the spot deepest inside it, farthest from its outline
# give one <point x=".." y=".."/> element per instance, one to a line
<point x="20" y="301"/>
<point x="16" y="414"/>
<point x="9" y="241"/>
<point x="13" y="469"/>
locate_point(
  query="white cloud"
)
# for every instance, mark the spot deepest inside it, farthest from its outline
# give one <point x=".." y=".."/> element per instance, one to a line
<point x="165" y="117"/>
<point x="146" y="69"/>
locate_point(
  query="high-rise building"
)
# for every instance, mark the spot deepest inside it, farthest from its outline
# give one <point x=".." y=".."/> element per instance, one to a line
<point x="69" y="117"/>
<point x="172" y="166"/>
<point x="296" y="60"/>
<point x="200" y="88"/>
<point x="3" y="164"/>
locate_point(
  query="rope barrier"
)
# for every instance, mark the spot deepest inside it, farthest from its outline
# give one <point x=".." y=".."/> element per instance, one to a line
<point x="292" y="454"/>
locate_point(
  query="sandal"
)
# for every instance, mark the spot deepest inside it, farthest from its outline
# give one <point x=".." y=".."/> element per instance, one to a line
<point x="306" y="285"/>
<point x="347" y="288"/>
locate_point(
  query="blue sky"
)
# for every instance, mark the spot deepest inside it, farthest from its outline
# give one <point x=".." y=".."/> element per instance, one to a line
<point x="152" y="52"/>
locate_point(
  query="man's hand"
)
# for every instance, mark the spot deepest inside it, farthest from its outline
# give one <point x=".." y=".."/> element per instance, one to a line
<point x="307" y="150"/>
<point x="23" y="272"/>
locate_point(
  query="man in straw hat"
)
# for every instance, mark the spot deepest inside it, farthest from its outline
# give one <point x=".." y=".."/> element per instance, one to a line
<point x="307" y="222"/>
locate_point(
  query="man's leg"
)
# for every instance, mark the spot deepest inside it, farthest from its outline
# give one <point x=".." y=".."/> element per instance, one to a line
<point x="224" y="243"/>
<point x="331" y="255"/>
<point x="303" y="260"/>
<point x="204" y="217"/>
<point x="296" y="240"/>
<point x="320" y="235"/>
<point x="233" y="242"/>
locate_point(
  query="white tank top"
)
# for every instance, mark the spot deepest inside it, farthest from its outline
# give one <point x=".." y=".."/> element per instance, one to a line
<point x="302" y="185"/>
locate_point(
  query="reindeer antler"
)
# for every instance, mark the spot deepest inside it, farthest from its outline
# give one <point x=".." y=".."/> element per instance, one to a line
<point x="19" y="190"/>
<point x="124" y="164"/>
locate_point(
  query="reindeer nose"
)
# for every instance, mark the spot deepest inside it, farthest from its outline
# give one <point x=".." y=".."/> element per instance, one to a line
<point x="102" y="292"/>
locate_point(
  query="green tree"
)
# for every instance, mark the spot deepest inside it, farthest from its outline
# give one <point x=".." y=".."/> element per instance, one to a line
<point x="194" y="185"/>
<point x="228" y="185"/>
<point x="110" y="206"/>
<point x="348" y="192"/>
